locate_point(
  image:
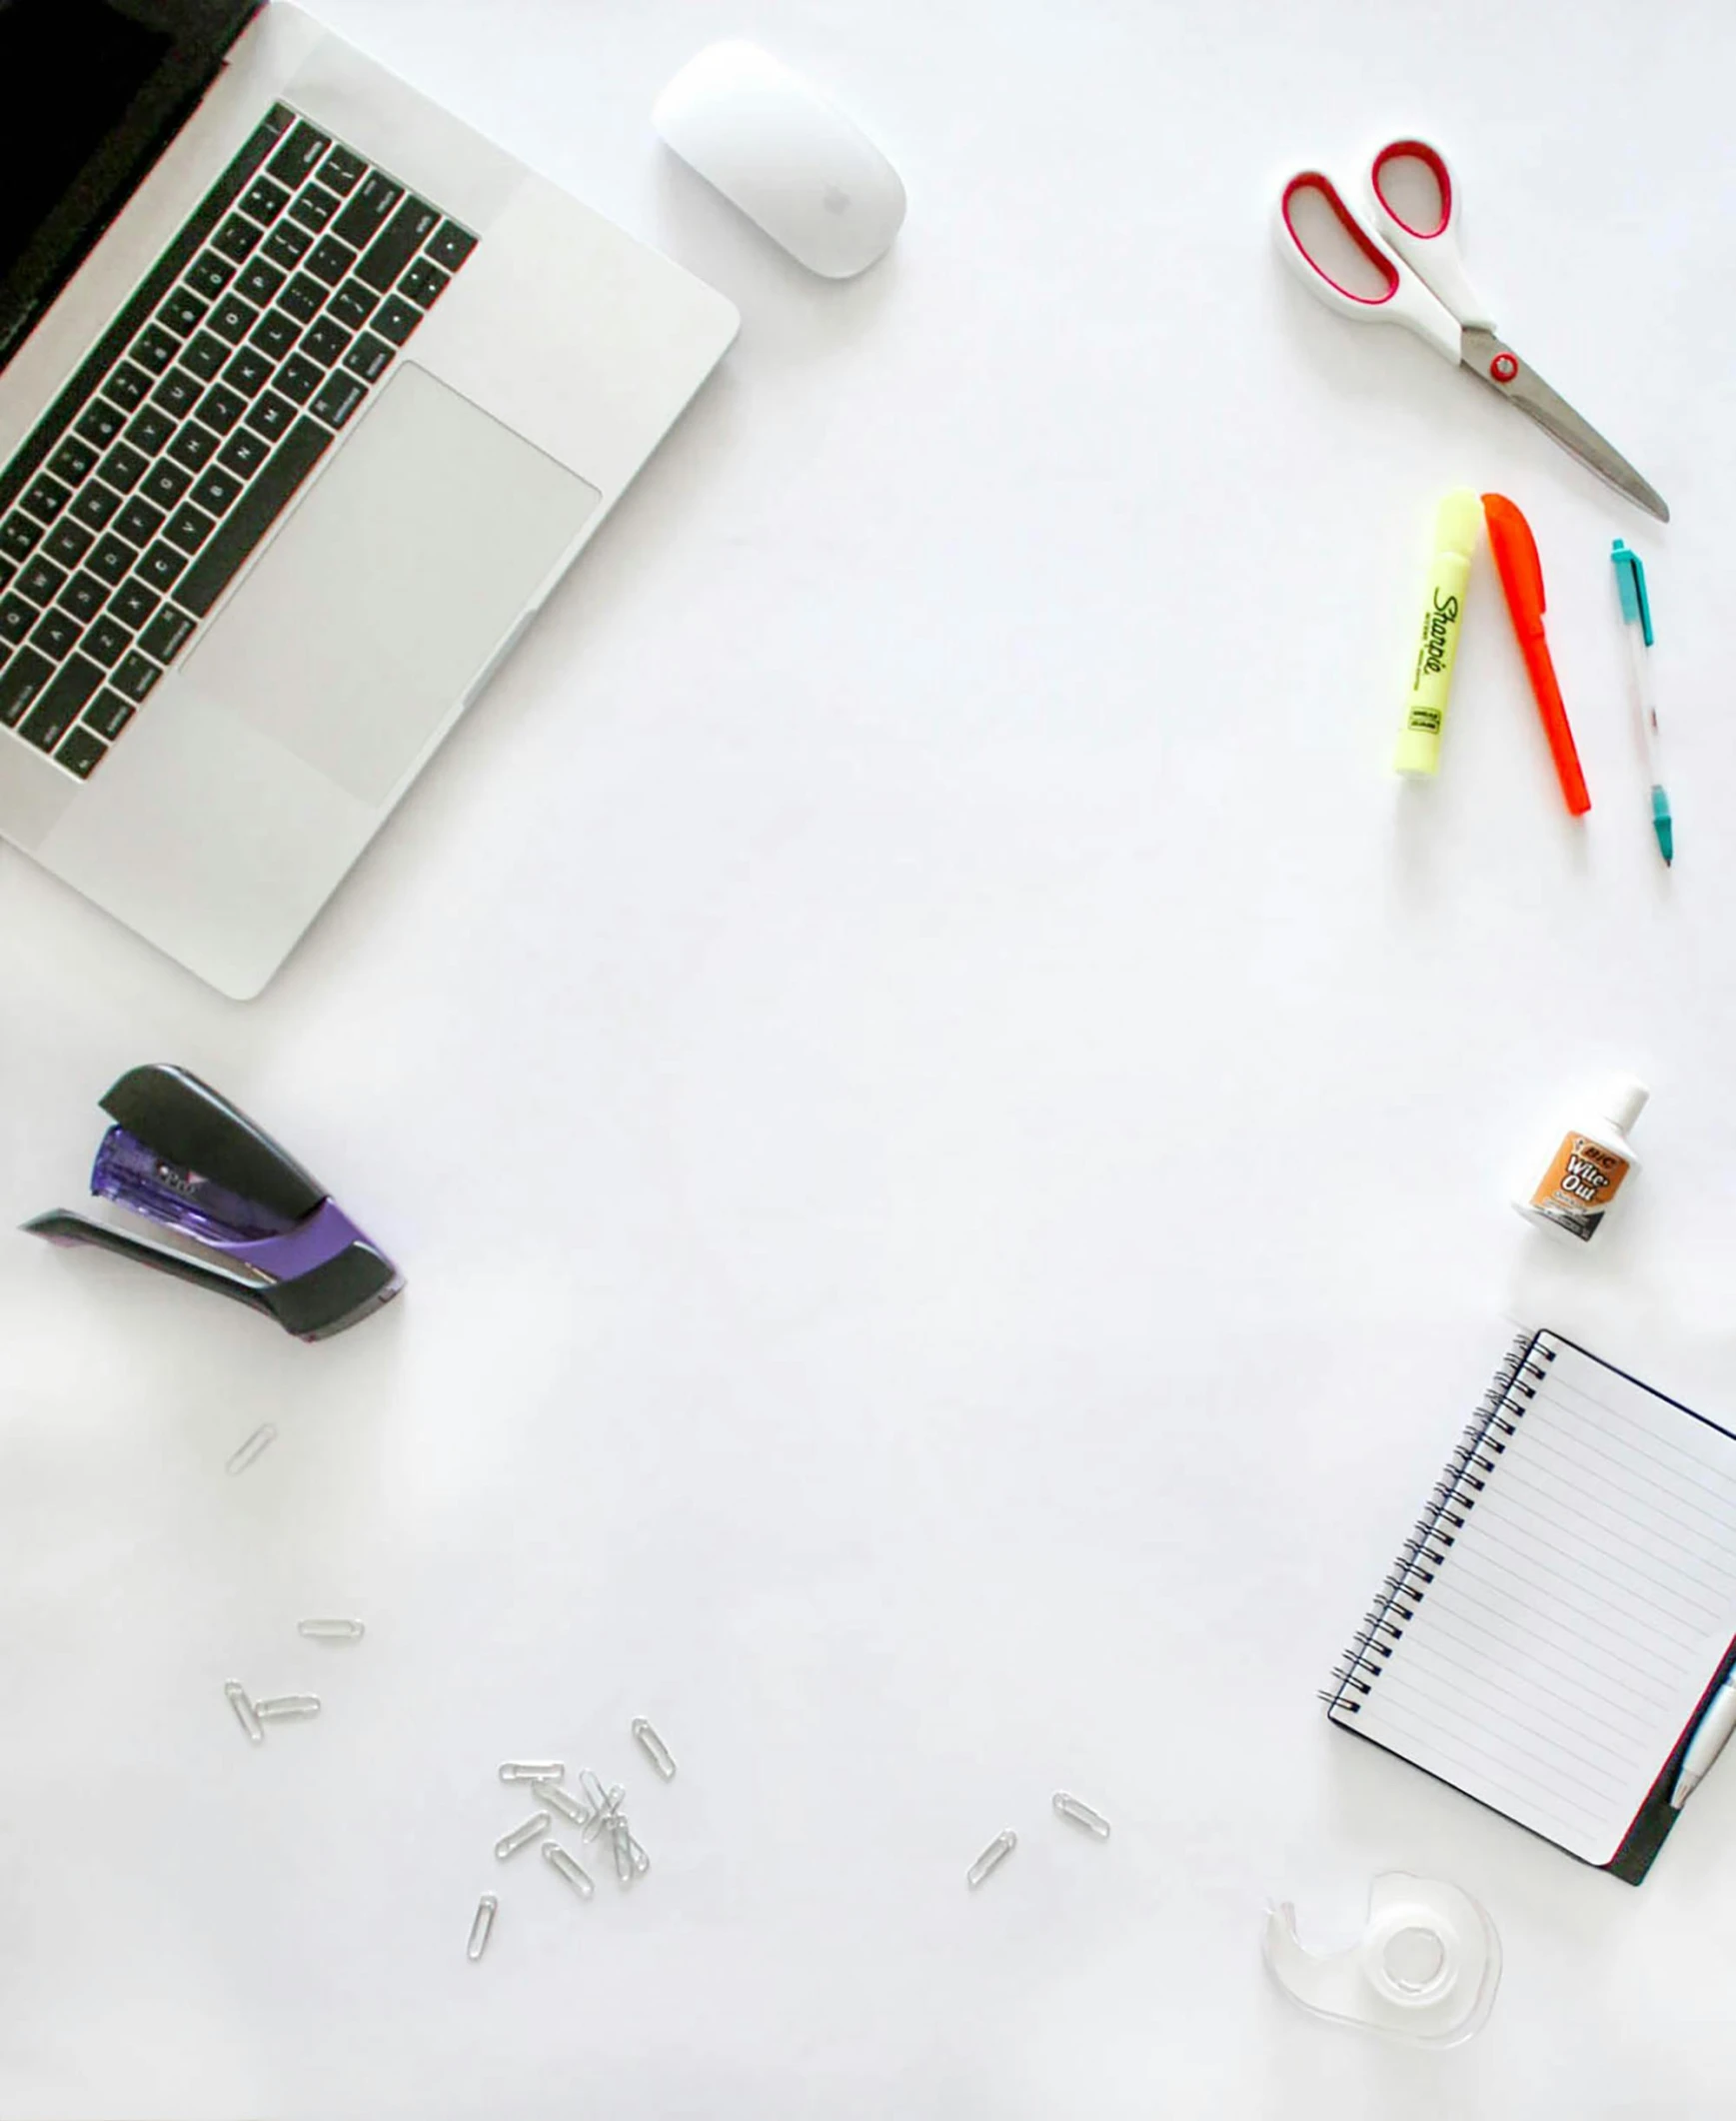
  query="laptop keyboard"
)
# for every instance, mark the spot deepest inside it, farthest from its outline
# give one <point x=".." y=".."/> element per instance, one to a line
<point x="161" y="467"/>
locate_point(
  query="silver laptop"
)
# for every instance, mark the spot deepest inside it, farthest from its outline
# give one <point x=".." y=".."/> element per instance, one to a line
<point x="309" y="397"/>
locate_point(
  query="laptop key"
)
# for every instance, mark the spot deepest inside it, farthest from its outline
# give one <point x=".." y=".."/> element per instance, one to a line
<point x="299" y="155"/>
<point x="67" y="542"/>
<point x="55" y="633"/>
<point x="397" y="243"/>
<point x="233" y="319"/>
<point x="340" y="169"/>
<point x="128" y="386"/>
<point x="204" y="356"/>
<point x="149" y="428"/>
<point x="94" y="506"/>
<point x="133" y="604"/>
<point x="41" y="581"/>
<point x="271" y="416"/>
<point x="100" y="422"/>
<point x="82" y="752"/>
<point x="209" y="275"/>
<point x="124" y="466"/>
<point x="367" y="357"/>
<point x="303" y="298"/>
<point x="112" y="558"/>
<point x="72" y="459"/>
<point x="107" y="641"/>
<point x="166" y="484"/>
<point x="248" y="370"/>
<point x="216" y="491"/>
<point x="109" y="712"/>
<point x="46" y="499"/>
<point x="162" y="565"/>
<point x="61" y="702"/>
<point x="338" y="399"/>
<point x="182" y="311"/>
<point x="364" y="215"/>
<point x="20" y="681"/>
<point x="16" y="618"/>
<point x="452" y="246"/>
<point x="298" y="379"/>
<point x="274" y="334"/>
<point x="84" y="596"/>
<point x="19" y="536"/>
<point x="330" y="260"/>
<point x="167" y="635"/>
<point x="353" y="305"/>
<point x="237" y="239"/>
<point x="221" y="408"/>
<point x="139" y="522"/>
<point x="154" y="347"/>
<point x="261" y="281"/>
<point x="178" y="392"/>
<point x="135" y="677"/>
<point x="244" y="452"/>
<point x="314" y="207"/>
<point x="323" y="342"/>
<point x="251" y="517"/>
<point x="423" y="284"/>
<point x="193" y="447"/>
<point x="264" y="200"/>
<point x="189" y="528"/>
<point x="287" y="244"/>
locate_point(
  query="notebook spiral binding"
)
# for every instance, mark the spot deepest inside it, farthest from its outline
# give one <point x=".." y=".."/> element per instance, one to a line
<point x="1453" y="1498"/>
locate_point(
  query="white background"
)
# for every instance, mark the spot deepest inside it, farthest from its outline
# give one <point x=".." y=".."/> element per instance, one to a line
<point x="948" y="1123"/>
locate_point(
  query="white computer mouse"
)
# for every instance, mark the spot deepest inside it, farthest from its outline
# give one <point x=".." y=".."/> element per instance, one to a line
<point x="791" y="161"/>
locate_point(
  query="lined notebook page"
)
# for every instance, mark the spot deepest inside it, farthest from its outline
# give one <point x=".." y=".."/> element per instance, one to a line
<point x="1581" y="1615"/>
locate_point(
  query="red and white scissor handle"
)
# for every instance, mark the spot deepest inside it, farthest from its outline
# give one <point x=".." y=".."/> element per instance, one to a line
<point x="1424" y="285"/>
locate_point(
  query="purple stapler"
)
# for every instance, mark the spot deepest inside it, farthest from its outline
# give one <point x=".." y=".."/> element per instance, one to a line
<point x="247" y="1220"/>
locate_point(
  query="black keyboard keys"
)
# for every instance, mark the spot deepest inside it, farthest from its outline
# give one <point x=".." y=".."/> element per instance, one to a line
<point x="55" y="633"/>
<point x="251" y="516"/>
<point x="221" y="408"/>
<point x="109" y="712"/>
<point x="41" y="581"/>
<point x="260" y="281"/>
<point x="330" y="260"/>
<point x="189" y="528"/>
<point x="100" y="422"/>
<point x="19" y="536"/>
<point x="274" y="334"/>
<point x="264" y="200"/>
<point x="183" y="312"/>
<point x="60" y="703"/>
<point x="237" y="239"/>
<point x="248" y="371"/>
<point x="20" y="681"/>
<point x="299" y="379"/>
<point x="107" y="641"/>
<point x="139" y="522"/>
<point x="165" y="484"/>
<point x="341" y="169"/>
<point x="397" y="244"/>
<point x="149" y="428"/>
<point x="215" y="490"/>
<point x="204" y="356"/>
<point x="154" y="348"/>
<point x="303" y="298"/>
<point x="323" y="342"/>
<point x="177" y="394"/>
<point x="314" y="207"/>
<point x="111" y="558"/>
<point x="364" y="215"/>
<point x="338" y="399"/>
<point x="84" y="596"/>
<point x="81" y="754"/>
<point x="287" y="244"/>
<point x="162" y="565"/>
<point x="271" y="416"/>
<point x="67" y="542"/>
<point x="167" y="635"/>
<point x="123" y="468"/>
<point x="133" y="604"/>
<point x="423" y="283"/>
<point x="233" y="319"/>
<point x="209" y="275"/>
<point x="300" y="154"/>
<point x="367" y="357"/>
<point x="194" y="447"/>
<point x="452" y="246"/>
<point x="94" y="506"/>
<point x="136" y="676"/>
<point x="72" y="459"/>
<point x="16" y="618"/>
<point x="46" y="499"/>
<point x="352" y="305"/>
<point x="244" y="452"/>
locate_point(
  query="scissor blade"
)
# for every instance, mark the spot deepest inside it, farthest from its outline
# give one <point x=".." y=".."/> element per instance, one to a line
<point x="1495" y="363"/>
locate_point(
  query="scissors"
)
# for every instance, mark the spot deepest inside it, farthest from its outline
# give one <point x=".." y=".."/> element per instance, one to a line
<point x="1425" y="287"/>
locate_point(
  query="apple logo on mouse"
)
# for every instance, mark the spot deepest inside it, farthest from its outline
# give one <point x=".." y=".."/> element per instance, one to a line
<point x="834" y="199"/>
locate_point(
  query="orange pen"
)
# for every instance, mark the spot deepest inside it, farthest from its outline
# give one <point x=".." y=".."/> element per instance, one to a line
<point x="1522" y="571"/>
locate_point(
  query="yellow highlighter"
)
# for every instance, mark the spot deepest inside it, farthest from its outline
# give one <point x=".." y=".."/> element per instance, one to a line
<point x="1425" y="707"/>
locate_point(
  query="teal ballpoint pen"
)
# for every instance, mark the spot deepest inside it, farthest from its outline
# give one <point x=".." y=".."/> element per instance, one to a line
<point x="1636" y="612"/>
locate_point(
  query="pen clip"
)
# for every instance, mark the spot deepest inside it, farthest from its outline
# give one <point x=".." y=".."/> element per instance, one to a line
<point x="1630" y="580"/>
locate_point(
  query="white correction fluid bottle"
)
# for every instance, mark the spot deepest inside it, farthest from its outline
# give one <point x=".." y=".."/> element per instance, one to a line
<point x="1592" y="1162"/>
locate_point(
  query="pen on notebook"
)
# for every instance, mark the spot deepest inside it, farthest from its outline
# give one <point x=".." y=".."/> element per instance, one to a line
<point x="1710" y="1733"/>
<point x="1636" y="612"/>
<point x="1522" y="571"/>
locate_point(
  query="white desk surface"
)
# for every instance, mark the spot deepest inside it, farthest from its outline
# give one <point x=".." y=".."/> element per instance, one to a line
<point x="949" y="1125"/>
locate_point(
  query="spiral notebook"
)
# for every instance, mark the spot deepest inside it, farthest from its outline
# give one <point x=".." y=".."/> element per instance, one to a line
<point x="1565" y="1606"/>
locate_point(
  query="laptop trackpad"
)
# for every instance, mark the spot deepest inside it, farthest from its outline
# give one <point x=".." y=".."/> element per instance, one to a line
<point x="383" y="597"/>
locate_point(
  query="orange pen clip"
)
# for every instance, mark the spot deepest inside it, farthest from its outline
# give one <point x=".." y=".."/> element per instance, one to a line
<point x="1522" y="571"/>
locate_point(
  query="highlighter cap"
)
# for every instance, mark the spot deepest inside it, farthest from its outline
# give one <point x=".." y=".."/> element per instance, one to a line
<point x="1457" y="521"/>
